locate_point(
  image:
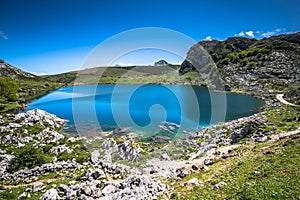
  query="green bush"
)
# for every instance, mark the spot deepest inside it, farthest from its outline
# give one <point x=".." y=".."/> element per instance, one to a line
<point x="244" y="61"/>
<point x="225" y="61"/>
<point x="28" y="156"/>
<point x="251" y="64"/>
<point x="243" y="54"/>
<point x="9" y="89"/>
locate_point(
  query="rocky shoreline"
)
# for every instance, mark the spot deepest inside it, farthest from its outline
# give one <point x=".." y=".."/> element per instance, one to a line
<point x="142" y="182"/>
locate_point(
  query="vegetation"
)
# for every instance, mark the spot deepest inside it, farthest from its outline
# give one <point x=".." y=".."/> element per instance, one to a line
<point x="28" y="157"/>
<point x="262" y="171"/>
<point x="8" y="89"/>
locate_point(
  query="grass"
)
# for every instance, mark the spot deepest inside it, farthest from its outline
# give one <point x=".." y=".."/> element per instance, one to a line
<point x="253" y="175"/>
<point x="284" y="118"/>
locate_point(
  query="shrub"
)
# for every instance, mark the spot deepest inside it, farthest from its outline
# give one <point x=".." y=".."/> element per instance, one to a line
<point x="244" y="61"/>
<point x="251" y="64"/>
<point x="243" y="54"/>
<point x="9" y="89"/>
<point x="225" y="61"/>
<point x="28" y="156"/>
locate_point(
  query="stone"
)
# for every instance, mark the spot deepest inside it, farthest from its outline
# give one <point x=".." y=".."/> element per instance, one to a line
<point x="191" y="183"/>
<point x="95" y="174"/>
<point x="51" y="194"/>
<point x="220" y="185"/>
<point x="204" y="168"/>
<point x="208" y="161"/>
<point x="95" y="157"/>
<point x="71" y="139"/>
<point x="23" y="196"/>
<point x="60" y="149"/>
<point x="194" y="167"/>
<point x="87" y="190"/>
<point x="63" y="188"/>
<point x="182" y="173"/>
<point x="38" y="187"/>
<point x="107" y="190"/>
<point x="165" y="157"/>
<point x="261" y="139"/>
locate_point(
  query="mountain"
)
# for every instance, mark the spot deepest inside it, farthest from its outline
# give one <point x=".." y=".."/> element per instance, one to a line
<point x="30" y="87"/>
<point x="257" y="66"/>
<point x="7" y="70"/>
<point x="161" y="63"/>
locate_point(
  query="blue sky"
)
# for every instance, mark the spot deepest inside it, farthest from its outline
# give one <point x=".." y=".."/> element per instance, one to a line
<point x="52" y="36"/>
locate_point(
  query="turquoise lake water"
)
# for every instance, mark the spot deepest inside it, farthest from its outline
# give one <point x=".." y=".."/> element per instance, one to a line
<point x="143" y="107"/>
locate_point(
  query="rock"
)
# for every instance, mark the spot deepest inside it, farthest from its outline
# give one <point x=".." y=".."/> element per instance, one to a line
<point x="4" y="163"/>
<point x="220" y="185"/>
<point x="107" y="190"/>
<point x="204" y="168"/>
<point x="87" y="190"/>
<point x="121" y="131"/>
<point x="45" y="168"/>
<point x="72" y="182"/>
<point x="161" y="139"/>
<point x="129" y="150"/>
<point x="165" y="157"/>
<point x="208" y="161"/>
<point x="95" y="174"/>
<point x="51" y="194"/>
<point x="191" y="183"/>
<point x="261" y="139"/>
<point x="40" y="117"/>
<point x="38" y="187"/>
<point x="23" y="196"/>
<point x="60" y="149"/>
<point x="109" y="143"/>
<point x="182" y="173"/>
<point x="194" y="167"/>
<point x="71" y="139"/>
<point x="63" y="188"/>
<point x="95" y="157"/>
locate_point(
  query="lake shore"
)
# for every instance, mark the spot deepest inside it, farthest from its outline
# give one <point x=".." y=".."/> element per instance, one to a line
<point x="155" y="167"/>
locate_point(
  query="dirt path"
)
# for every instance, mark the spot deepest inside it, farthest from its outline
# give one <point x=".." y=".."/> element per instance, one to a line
<point x="48" y="180"/>
<point x="282" y="100"/>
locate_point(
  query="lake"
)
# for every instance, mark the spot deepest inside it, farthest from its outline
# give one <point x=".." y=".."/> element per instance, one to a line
<point x="143" y="107"/>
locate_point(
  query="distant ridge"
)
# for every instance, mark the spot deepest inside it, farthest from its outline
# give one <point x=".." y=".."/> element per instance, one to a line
<point x="7" y="70"/>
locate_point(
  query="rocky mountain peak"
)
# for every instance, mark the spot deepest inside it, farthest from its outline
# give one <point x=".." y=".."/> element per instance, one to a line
<point x="161" y="63"/>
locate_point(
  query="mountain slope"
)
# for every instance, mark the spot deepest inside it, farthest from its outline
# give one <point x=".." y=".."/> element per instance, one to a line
<point x="30" y="87"/>
<point x="256" y="66"/>
<point x="7" y="70"/>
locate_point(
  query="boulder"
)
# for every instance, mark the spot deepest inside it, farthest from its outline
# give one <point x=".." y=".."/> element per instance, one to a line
<point x="51" y="194"/>
<point x="208" y="161"/>
<point x="109" y="189"/>
<point x="38" y="187"/>
<point x="95" y="174"/>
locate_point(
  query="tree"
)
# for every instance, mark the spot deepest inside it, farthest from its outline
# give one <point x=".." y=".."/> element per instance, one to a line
<point x="9" y="89"/>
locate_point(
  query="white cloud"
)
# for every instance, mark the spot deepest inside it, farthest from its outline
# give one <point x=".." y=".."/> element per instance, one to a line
<point x="278" y="30"/>
<point x="208" y="38"/>
<point x="3" y="35"/>
<point x="242" y="34"/>
<point x="123" y="64"/>
<point x="268" y="34"/>
<point x="38" y="74"/>
<point x="250" y="33"/>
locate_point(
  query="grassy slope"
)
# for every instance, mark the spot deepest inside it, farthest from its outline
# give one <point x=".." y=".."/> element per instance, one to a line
<point x="267" y="170"/>
<point x="260" y="171"/>
<point x="125" y="75"/>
